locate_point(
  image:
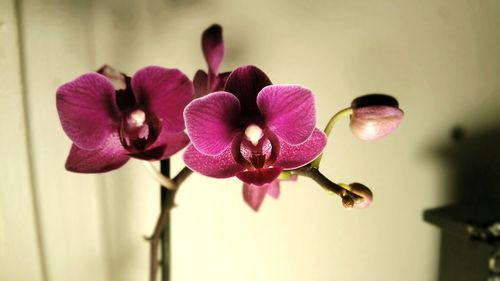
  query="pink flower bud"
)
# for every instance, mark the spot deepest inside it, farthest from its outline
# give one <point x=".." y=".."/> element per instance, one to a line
<point x="375" y="116"/>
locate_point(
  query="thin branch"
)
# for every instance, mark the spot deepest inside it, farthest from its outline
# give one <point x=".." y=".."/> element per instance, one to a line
<point x="159" y="177"/>
<point x="328" y="129"/>
<point x="163" y="219"/>
<point x="348" y="197"/>
<point x="182" y="176"/>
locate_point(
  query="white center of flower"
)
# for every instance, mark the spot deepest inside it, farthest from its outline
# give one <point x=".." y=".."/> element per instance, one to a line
<point x="138" y="117"/>
<point x="253" y="134"/>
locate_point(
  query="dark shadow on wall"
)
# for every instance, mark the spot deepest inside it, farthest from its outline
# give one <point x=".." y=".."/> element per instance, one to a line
<point x="473" y="167"/>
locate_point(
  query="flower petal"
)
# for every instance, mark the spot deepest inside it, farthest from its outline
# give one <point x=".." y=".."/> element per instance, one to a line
<point x="174" y="142"/>
<point x="273" y="189"/>
<point x="245" y="82"/>
<point x="109" y="157"/>
<point x="213" y="48"/>
<point x="210" y="122"/>
<point x="295" y="156"/>
<point x="288" y="111"/>
<point x="254" y="195"/>
<point x="165" y="92"/>
<point x="259" y="176"/>
<point x="151" y="154"/>
<point x="87" y="110"/>
<point x="165" y="146"/>
<point x="220" y="166"/>
<point x="200" y="82"/>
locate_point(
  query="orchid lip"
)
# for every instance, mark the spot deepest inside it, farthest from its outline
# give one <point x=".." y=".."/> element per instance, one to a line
<point x="138" y="130"/>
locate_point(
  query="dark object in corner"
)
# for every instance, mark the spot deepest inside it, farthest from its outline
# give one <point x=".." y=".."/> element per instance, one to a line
<point x="470" y="244"/>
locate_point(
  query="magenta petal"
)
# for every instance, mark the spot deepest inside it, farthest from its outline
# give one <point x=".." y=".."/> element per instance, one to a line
<point x="165" y="146"/>
<point x="288" y="111"/>
<point x="165" y="92"/>
<point x="259" y="176"/>
<point x="254" y="195"/>
<point x="200" y="82"/>
<point x="109" y="157"/>
<point x="151" y="154"/>
<point x="87" y="110"/>
<point x="210" y="122"/>
<point x="213" y="48"/>
<point x="273" y="189"/>
<point x="245" y="82"/>
<point x="220" y="166"/>
<point x="295" y="156"/>
<point x="174" y="143"/>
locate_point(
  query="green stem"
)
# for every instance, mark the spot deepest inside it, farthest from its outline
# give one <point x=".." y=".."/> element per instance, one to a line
<point x="339" y="115"/>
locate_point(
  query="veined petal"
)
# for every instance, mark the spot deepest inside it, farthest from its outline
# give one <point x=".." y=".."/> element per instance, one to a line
<point x="108" y="157"/>
<point x="151" y="154"/>
<point x="288" y="111"/>
<point x="87" y="110"/>
<point x="175" y="142"/>
<point x="165" y="92"/>
<point x="273" y="189"/>
<point x="254" y="195"/>
<point x="259" y="176"/>
<point x="219" y="166"/>
<point x="165" y="146"/>
<point x="213" y="48"/>
<point x="210" y="122"/>
<point x="245" y="82"/>
<point x="200" y="82"/>
<point x="295" y="156"/>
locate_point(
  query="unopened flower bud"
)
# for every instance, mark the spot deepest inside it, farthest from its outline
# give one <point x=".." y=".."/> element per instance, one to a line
<point x="362" y="191"/>
<point x="374" y="116"/>
<point x="116" y="77"/>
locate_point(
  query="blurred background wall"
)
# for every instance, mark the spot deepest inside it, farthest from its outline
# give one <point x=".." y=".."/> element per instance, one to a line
<point x="440" y="58"/>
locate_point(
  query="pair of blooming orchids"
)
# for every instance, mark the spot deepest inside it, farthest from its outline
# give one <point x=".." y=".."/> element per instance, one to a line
<point x="233" y="123"/>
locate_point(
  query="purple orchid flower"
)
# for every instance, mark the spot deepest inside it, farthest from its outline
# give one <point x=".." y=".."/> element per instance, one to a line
<point x="252" y="130"/>
<point x="111" y="117"/>
<point x="212" y="45"/>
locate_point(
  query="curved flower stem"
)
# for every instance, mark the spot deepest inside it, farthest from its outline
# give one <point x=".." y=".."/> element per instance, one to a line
<point x="336" y="117"/>
<point x="158" y="176"/>
<point x="348" y="198"/>
<point x="162" y="228"/>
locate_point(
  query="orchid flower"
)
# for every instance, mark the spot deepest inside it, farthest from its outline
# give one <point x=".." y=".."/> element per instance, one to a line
<point x="212" y="45"/>
<point x="252" y="130"/>
<point x="111" y="117"/>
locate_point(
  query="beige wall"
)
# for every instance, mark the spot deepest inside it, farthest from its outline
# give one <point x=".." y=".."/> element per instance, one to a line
<point x="439" y="57"/>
